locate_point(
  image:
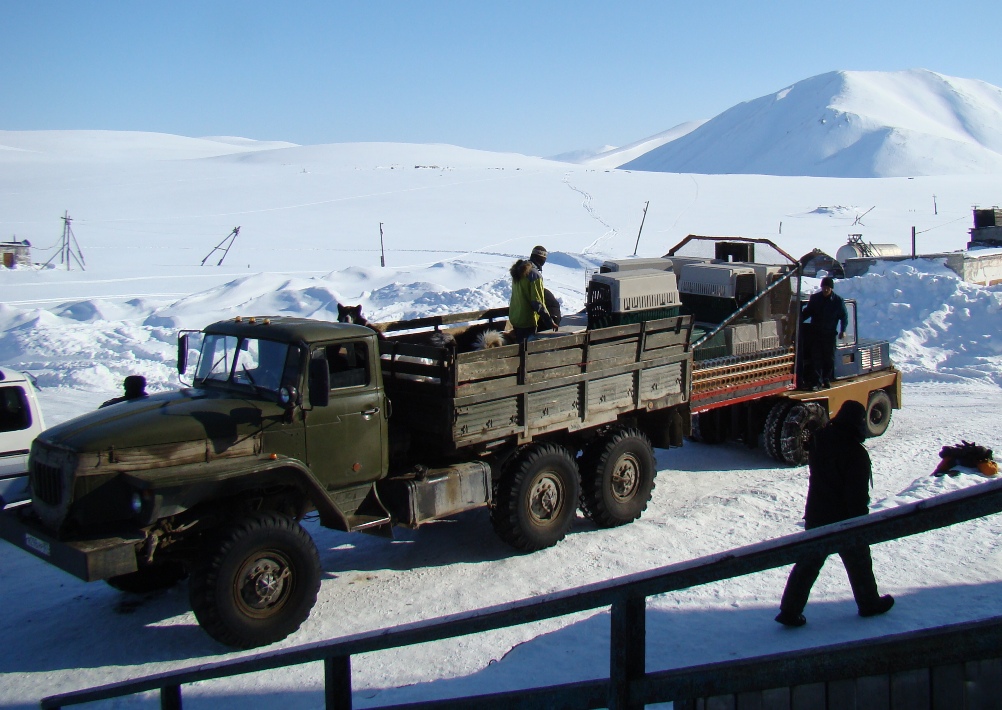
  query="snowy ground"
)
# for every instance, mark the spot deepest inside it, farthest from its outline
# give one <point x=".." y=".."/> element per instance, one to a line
<point x="145" y="223"/>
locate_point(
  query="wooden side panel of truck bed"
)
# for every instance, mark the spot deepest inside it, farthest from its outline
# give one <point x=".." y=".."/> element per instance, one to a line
<point x="553" y="383"/>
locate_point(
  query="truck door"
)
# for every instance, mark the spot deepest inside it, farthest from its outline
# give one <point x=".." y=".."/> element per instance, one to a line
<point x="345" y="441"/>
<point x="16" y="433"/>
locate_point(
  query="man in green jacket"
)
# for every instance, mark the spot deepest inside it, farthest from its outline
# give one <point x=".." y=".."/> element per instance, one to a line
<point x="527" y="307"/>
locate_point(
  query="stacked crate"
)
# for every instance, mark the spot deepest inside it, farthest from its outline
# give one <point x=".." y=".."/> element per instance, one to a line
<point x="712" y="292"/>
<point x="632" y="296"/>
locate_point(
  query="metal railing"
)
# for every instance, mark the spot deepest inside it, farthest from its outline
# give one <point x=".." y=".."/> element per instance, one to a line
<point x="628" y="685"/>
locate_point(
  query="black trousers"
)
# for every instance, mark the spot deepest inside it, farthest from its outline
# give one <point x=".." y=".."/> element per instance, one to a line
<point x="823" y="356"/>
<point x="858" y="565"/>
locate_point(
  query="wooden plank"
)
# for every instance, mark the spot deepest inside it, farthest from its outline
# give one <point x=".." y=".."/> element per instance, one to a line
<point x="873" y="692"/>
<point x="984" y="678"/>
<point x="487" y="369"/>
<point x="842" y="694"/>
<point x="752" y="700"/>
<point x="532" y="378"/>
<point x="666" y="339"/>
<point x="658" y="382"/>
<point x="484" y="386"/>
<point x="947" y="686"/>
<point x="910" y="690"/>
<point x="810" y="696"/>
<point x="721" y="702"/>
<point x="654" y="353"/>
<point x="554" y="358"/>
<point x="487" y="418"/>
<point x="553" y="406"/>
<point x="776" y="698"/>
<point x="610" y="392"/>
<point x="616" y="350"/>
<point x="548" y="342"/>
<point x="627" y="651"/>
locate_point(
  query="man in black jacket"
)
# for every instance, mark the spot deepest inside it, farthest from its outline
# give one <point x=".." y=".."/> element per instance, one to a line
<point x="828" y="315"/>
<point x="839" y="489"/>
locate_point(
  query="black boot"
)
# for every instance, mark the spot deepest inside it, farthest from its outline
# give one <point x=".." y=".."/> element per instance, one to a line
<point x="789" y="619"/>
<point x="881" y="606"/>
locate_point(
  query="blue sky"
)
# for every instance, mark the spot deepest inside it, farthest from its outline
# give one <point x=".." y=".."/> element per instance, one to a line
<point x="530" y="77"/>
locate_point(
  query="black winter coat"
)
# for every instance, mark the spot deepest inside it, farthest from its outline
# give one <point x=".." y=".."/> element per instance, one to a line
<point x="828" y="315"/>
<point x="840" y="470"/>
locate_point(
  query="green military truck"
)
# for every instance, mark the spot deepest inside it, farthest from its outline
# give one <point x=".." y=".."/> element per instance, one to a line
<point x="367" y="428"/>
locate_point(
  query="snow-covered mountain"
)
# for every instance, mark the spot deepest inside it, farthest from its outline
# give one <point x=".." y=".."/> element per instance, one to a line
<point x="612" y="157"/>
<point x="848" y="124"/>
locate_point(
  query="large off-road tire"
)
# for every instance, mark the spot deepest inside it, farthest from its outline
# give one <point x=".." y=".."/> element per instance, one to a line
<point x="774" y="427"/>
<point x="536" y="498"/>
<point x="256" y="582"/>
<point x="799" y="425"/>
<point x="708" y="427"/>
<point x="149" y="579"/>
<point x="617" y="477"/>
<point x="878" y="413"/>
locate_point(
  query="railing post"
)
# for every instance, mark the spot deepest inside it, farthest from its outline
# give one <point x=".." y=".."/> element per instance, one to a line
<point x="627" y="651"/>
<point x="337" y="682"/>
<point x="170" y="697"/>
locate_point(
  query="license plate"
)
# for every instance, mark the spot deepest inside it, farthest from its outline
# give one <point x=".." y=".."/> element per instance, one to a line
<point x="37" y="544"/>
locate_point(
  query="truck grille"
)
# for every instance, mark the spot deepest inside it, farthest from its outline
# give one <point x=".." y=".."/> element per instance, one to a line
<point x="46" y="483"/>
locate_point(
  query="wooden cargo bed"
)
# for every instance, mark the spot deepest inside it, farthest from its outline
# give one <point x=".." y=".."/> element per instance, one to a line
<point x="552" y="383"/>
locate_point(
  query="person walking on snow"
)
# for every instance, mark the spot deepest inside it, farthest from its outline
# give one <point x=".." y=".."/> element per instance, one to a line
<point x="527" y="306"/>
<point x="828" y="315"/>
<point x="839" y="489"/>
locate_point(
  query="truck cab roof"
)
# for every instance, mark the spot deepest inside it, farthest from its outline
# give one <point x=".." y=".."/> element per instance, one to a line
<point x="287" y="329"/>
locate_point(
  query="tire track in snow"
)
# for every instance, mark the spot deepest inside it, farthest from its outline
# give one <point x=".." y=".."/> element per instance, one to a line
<point x="610" y="233"/>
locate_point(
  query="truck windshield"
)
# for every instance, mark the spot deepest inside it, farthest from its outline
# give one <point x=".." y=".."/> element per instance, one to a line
<point x="263" y="365"/>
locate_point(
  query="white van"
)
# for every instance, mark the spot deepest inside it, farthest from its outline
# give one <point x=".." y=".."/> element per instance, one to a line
<point x="20" y="422"/>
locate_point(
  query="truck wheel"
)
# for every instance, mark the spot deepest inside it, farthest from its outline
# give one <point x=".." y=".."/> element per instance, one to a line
<point x="617" y="477"/>
<point x="149" y="579"/>
<point x="257" y="583"/>
<point x="537" y="497"/>
<point x="708" y="428"/>
<point x="773" y="429"/>
<point x="878" y="413"/>
<point x="799" y="425"/>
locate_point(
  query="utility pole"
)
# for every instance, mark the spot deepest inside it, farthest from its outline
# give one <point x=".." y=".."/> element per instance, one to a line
<point x="935" y="208"/>
<point x="913" y="242"/>
<point x="231" y="237"/>
<point x="69" y="249"/>
<point x="382" y="252"/>
<point x="637" y="246"/>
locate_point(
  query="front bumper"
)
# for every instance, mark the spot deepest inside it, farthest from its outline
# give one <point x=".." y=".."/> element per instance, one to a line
<point x="89" y="559"/>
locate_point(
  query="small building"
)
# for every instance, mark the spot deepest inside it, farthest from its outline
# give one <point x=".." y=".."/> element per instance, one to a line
<point x="987" y="230"/>
<point x="15" y="254"/>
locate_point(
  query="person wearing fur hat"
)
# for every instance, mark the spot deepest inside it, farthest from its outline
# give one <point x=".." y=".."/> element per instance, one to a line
<point x="839" y="489"/>
<point x="527" y="307"/>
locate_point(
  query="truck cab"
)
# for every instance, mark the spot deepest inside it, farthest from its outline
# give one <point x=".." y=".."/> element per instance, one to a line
<point x="20" y="422"/>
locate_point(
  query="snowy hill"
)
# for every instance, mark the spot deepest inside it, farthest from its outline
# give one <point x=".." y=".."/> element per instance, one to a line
<point x="611" y="157"/>
<point x="848" y="124"/>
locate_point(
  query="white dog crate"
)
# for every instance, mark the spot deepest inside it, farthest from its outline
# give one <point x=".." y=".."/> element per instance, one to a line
<point x="632" y="296"/>
<point x="742" y="339"/>
<point x="770" y="333"/>
<point x="712" y="292"/>
<point x="679" y="262"/>
<point x="656" y="263"/>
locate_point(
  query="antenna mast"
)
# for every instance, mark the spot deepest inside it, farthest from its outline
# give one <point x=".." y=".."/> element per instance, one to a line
<point x="228" y="240"/>
<point x="69" y="249"/>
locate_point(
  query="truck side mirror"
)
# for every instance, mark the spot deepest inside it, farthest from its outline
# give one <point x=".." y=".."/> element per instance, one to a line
<point x="320" y="383"/>
<point x="182" y="353"/>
